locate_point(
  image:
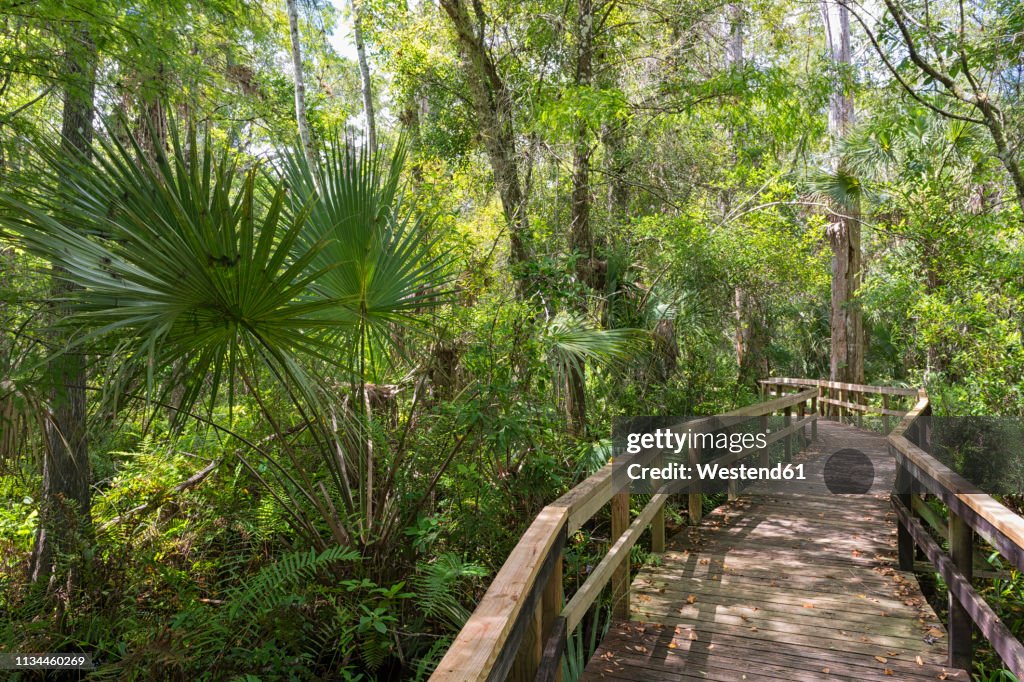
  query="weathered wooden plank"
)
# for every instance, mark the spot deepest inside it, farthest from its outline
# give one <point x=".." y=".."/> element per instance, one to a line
<point x="550" y="669"/>
<point x="856" y="601"/>
<point x="862" y="666"/>
<point x="756" y="638"/>
<point x="768" y="615"/>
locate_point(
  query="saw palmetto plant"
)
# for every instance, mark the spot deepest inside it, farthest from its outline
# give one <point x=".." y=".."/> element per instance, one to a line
<point x="201" y="277"/>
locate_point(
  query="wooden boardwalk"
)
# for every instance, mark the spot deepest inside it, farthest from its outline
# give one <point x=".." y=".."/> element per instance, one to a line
<point x="789" y="582"/>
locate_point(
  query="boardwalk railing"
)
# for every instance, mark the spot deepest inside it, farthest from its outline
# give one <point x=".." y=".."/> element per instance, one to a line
<point x="518" y="630"/>
<point x="970" y="513"/>
<point x="836" y="399"/>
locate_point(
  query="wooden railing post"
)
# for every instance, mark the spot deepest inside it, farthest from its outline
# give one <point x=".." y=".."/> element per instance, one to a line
<point x="620" y="577"/>
<point x="821" y="404"/>
<point x="904" y="540"/>
<point x="814" y="424"/>
<point x="658" y="522"/>
<point x="531" y="648"/>
<point x="764" y="429"/>
<point x="926" y="430"/>
<point x="961" y="549"/>
<point x="885" y="417"/>
<point x="542" y="620"/>
<point x="695" y="500"/>
<point x="787" y="421"/>
<point x="861" y="399"/>
<point x="552" y="603"/>
<point x="801" y="412"/>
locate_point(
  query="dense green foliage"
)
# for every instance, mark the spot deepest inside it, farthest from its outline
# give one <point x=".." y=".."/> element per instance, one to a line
<point x="325" y="397"/>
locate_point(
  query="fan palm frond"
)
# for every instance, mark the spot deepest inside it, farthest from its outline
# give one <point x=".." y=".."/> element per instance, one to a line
<point x="381" y="268"/>
<point x="179" y="258"/>
<point x="572" y="341"/>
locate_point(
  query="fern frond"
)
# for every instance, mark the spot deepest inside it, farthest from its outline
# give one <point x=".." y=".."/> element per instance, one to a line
<point x="437" y="583"/>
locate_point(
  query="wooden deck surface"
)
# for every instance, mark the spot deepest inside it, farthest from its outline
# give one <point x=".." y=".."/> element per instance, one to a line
<point x="790" y="582"/>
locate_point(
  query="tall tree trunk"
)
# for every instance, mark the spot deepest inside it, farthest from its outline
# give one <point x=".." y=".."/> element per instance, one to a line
<point x="301" y="119"/>
<point x="847" y="325"/>
<point x="581" y="240"/>
<point x="364" y="75"/>
<point x="65" y="514"/>
<point x="492" y="104"/>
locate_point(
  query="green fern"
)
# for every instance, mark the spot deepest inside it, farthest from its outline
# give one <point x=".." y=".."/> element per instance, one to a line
<point x="215" y="632"/>
<point x="436" y="586"/>
<point x="265" y="591"/>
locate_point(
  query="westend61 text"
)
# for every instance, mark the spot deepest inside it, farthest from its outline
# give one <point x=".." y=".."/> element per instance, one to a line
<point x="714" y="472"/>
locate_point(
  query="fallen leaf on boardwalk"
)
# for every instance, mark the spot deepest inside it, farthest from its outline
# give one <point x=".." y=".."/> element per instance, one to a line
<point x="671" y="645"/>
<point x="887" y="671"/>
<point x="881" y="659"/>
<point x="855" y="552"/>
<point x="935" y="632"/>
<point x="892" y="653"/>
<point x="919" y="661"/>
<point x="693" y="635"/>
<point x="826" y="670"/>
<point x="808" y="606"/>
<point x="753" y="628"/>
<point x="691" y="599"/>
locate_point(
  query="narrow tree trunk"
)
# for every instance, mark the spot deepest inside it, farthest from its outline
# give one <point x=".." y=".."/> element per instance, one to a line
<point x="734" y="43"/>
<point x="492" y="104"/>
<point x="151" y="127"/>
<point x="581" y="241"/>
<point x="409" y="117"/>
<point x="65" y="514"/>
<point x="301" y="119"/>
<point x="847" y="351"/>
<point x="364" y="75"/>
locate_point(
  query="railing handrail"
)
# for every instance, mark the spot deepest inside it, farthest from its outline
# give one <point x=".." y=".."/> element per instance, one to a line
<point x="969" y="513"/>
<point x="839" y="385"/>
<point x="479" y="651"/>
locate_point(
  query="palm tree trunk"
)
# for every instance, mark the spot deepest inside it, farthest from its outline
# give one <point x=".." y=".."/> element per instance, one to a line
<point x="847" y="351"/>
<point x="301" y="119"/>
<point x="65" y="513"/>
